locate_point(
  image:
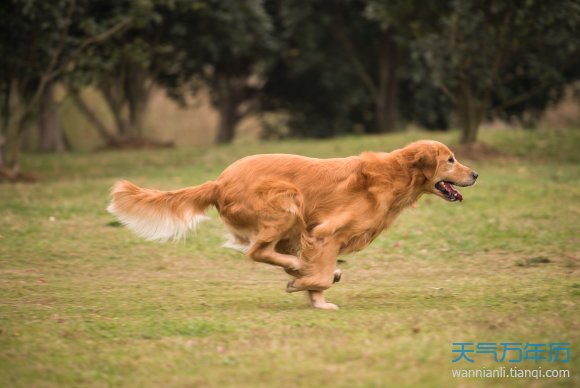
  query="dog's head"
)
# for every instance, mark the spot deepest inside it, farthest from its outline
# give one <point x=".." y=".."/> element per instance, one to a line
<point x="441" y="170"/>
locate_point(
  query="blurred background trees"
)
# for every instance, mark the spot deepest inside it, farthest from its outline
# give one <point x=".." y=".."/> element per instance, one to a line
<point x="306" y="68"/>
<point x="226" y="46"/>
<point x="39" y="43"/>
<point x="488" y="56"/>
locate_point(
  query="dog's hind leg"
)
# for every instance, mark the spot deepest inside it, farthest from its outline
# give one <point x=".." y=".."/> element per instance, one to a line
<point x="263" y="251"/>
<point x="277" y="206"/>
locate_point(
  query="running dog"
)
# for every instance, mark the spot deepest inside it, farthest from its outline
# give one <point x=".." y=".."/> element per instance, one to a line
<point x="300" y="213"/>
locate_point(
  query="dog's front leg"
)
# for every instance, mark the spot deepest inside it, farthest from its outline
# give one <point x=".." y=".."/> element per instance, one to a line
<point x="316" y="299"/>
<point x="319" y="273"/>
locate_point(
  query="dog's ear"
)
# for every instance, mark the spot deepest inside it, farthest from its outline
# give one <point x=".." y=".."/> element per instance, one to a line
<point x="426" y="160"/>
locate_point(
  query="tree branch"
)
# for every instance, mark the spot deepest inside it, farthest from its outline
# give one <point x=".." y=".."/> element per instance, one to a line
<point x="524" y="96"/>
<point x="43" y="74"/>
<point x="116" y="104"/>
<point x="49" y="75"/>
<point x="90" y="115"/>
<point x="340" y="35"/>
<point x="530" y="93"/>
<point x="61" y="40"/>
<point x="448" y="93"/>
<point x="87" y="42"/>
<point x="500" y="54"/>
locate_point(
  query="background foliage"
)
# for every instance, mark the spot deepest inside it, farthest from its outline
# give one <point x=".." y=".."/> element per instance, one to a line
<point x="309" y="69"/>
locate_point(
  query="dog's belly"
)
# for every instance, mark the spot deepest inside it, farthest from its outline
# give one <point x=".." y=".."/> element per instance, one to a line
<point x="242" y="239"/>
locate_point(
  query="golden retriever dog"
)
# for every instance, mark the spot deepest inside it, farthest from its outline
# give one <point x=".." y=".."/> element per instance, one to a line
<point x="300" y="213"/>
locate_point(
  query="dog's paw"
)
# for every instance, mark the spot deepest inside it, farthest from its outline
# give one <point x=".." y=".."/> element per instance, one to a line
<point x="290" y="287"/>
<point x="316" y="299"/>
<point x="326" y="306"/>
<point x="337" y="275"/>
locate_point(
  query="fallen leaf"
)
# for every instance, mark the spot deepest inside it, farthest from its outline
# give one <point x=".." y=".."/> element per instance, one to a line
<point x="491" y="220"/>
<point x="398" y="244"/>
<point x="423" y="251"/>
<point x="418" y="232"/>
<point x="41" y="281"/>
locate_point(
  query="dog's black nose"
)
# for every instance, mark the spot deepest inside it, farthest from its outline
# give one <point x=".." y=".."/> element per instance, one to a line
<point x="475" y="175"/>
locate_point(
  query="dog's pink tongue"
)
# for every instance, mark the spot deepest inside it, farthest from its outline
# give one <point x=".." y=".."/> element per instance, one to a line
<point x="453" y="190"/>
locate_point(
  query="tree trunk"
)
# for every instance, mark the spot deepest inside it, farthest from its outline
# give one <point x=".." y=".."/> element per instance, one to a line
<point x="231" y="95"/>
<point x="468" y="131"/>
<point x="51" y="135"/>
<point x="5" y="121"/>
<point x="2" y="150"/>
<point x="112" y="90"/>
<point x="91" y="116"/>
<point x="27" y="137"/>
<point x="387" y="101"/>
<point x="127" y="94"/>
<point x="471" y="111"/>
<point x="13" y="144"/>
<point x="137" y="93"/>
<point x="228" y="120"/>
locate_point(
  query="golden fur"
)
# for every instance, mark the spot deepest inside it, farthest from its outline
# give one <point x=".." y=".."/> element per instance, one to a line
<point x="296" y="212"/>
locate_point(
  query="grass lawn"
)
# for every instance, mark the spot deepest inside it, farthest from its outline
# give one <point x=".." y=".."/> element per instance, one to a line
<point x="84" y="303"/>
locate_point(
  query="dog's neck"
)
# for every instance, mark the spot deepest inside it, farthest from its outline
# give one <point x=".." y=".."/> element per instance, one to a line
<point x="394" y="186"/>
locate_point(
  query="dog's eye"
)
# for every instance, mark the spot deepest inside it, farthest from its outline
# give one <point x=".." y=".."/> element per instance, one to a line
<point x="450" y="160"/>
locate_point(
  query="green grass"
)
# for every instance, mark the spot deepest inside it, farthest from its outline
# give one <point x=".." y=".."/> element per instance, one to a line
<point x="84" y="303"/>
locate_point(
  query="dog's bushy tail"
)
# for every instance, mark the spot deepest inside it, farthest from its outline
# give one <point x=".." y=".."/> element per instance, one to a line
<point x="160" y="215"/>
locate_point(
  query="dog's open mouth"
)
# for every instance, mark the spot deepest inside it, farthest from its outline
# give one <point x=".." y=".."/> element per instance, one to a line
<point x="451" y="192"/>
